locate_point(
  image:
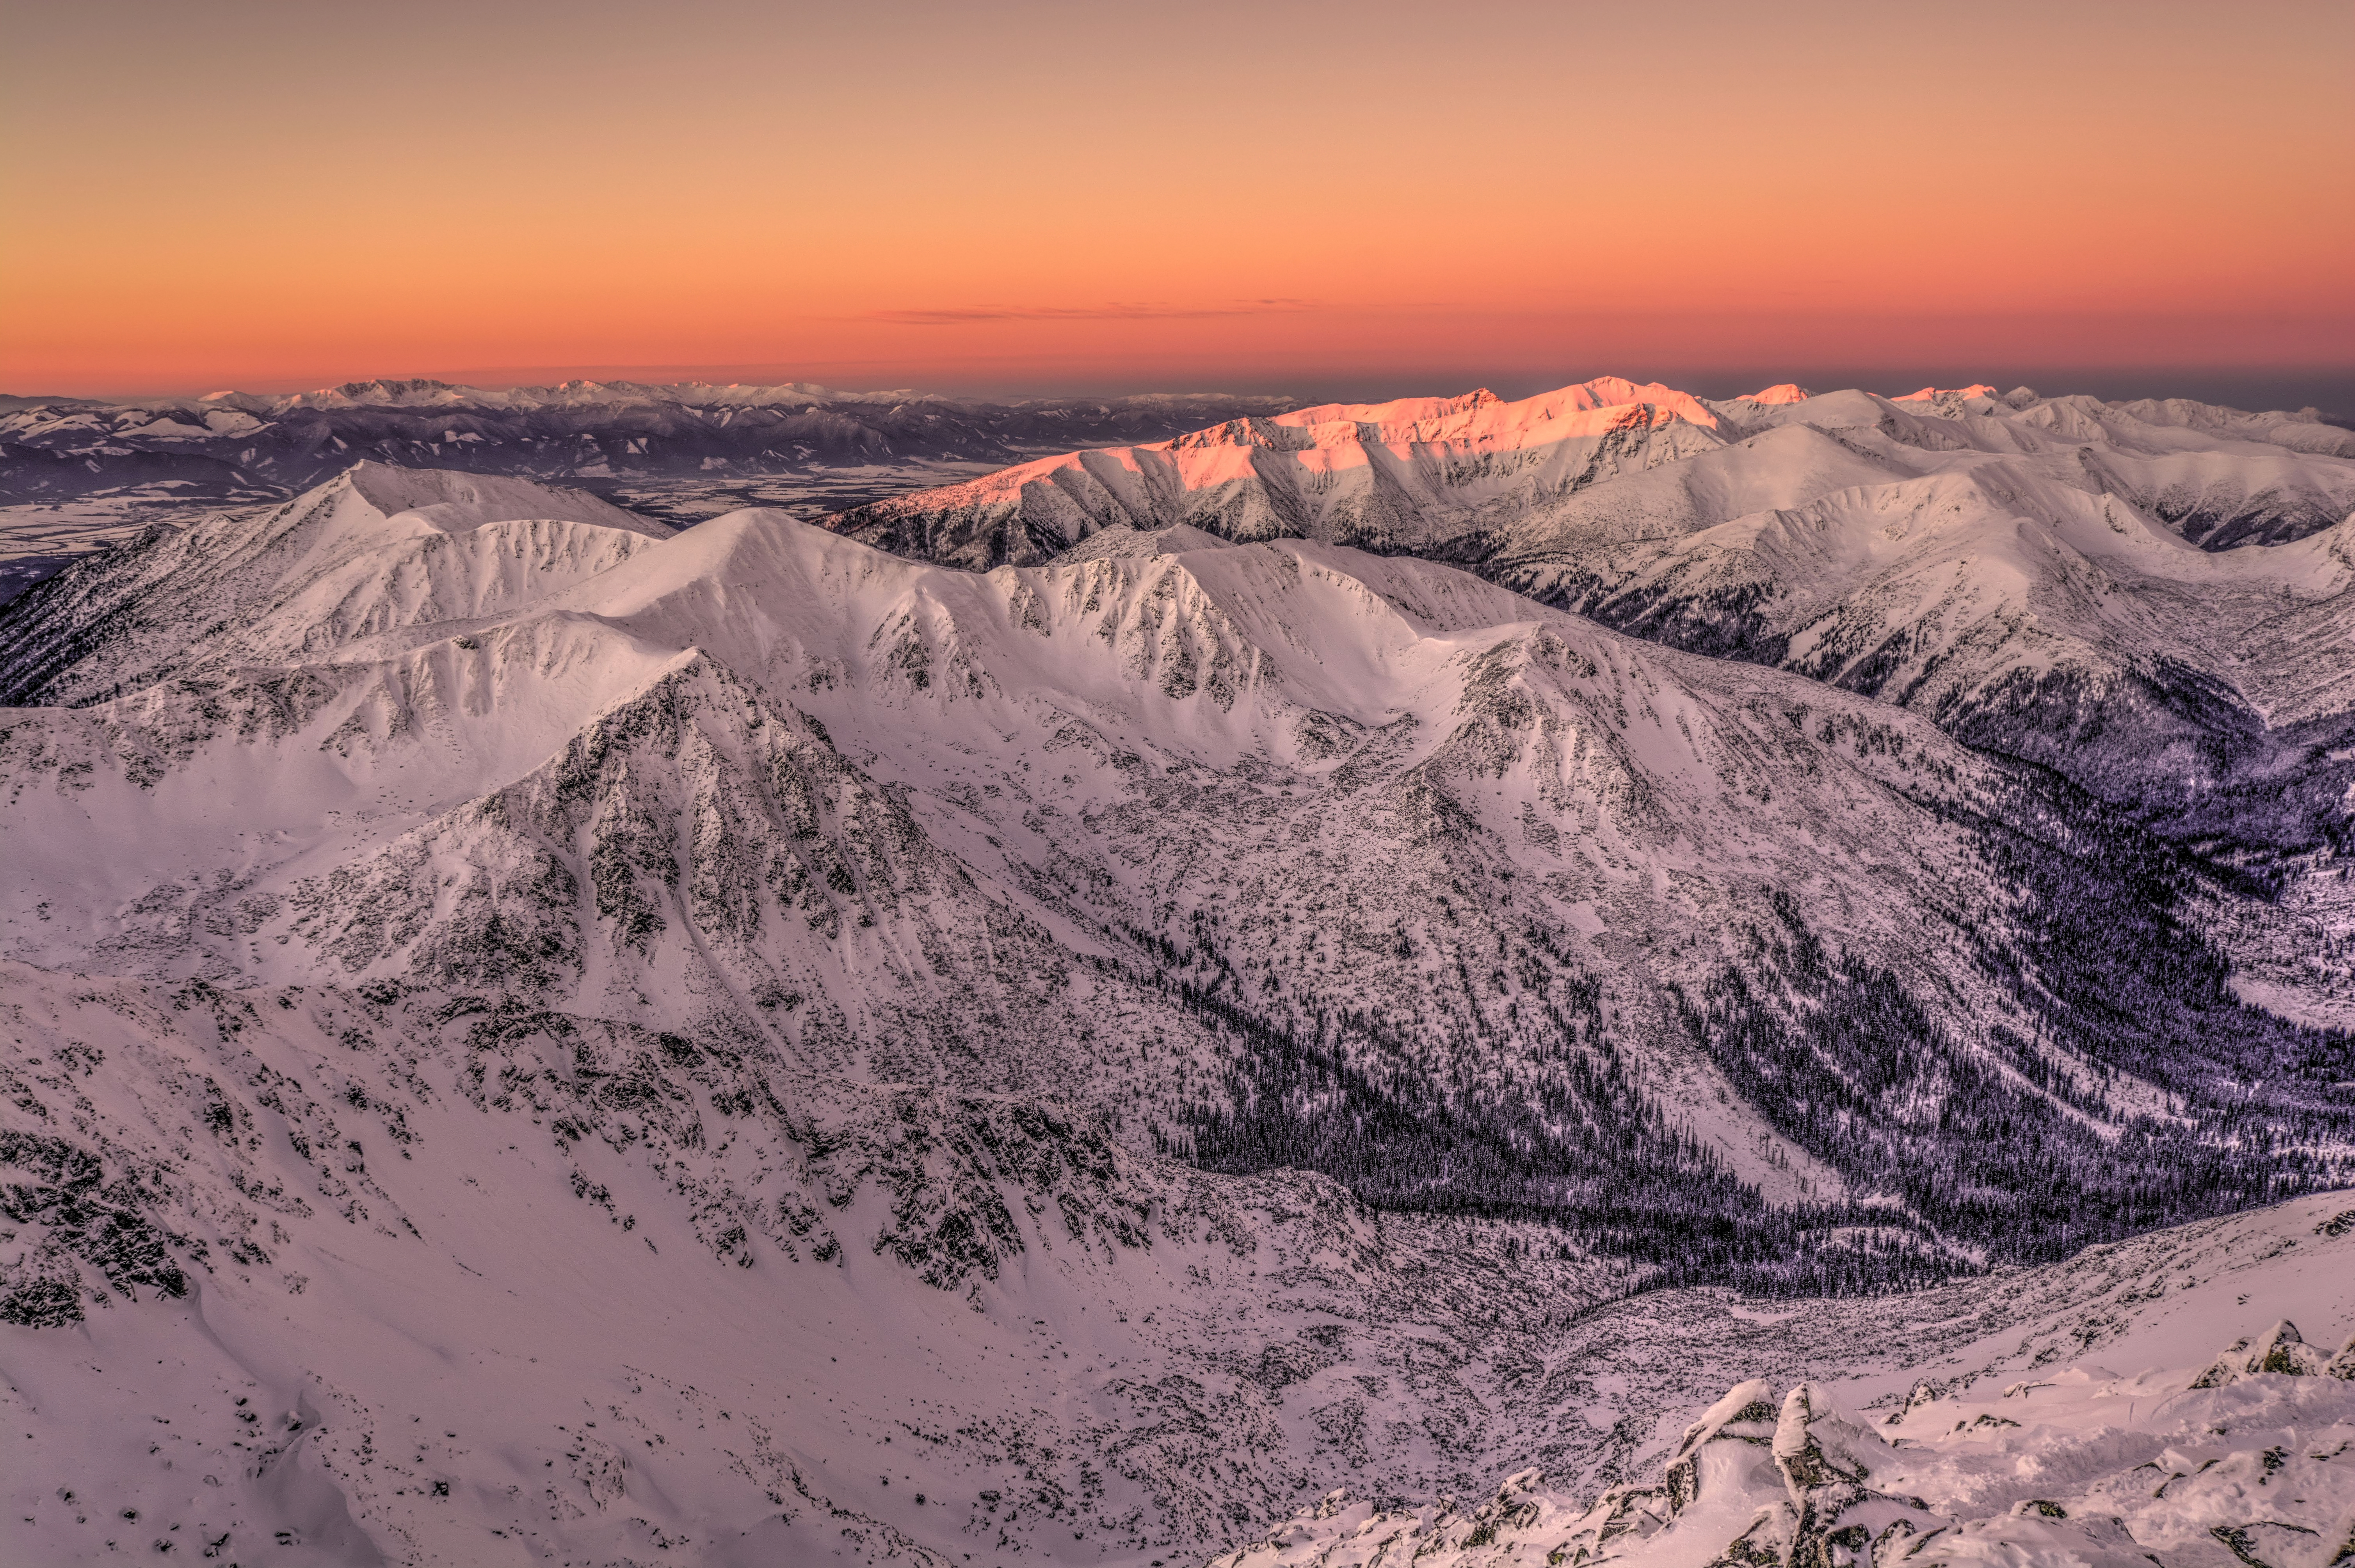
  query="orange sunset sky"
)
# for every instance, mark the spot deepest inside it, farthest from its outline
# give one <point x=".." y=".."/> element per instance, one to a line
<point x="1115" y="196"/>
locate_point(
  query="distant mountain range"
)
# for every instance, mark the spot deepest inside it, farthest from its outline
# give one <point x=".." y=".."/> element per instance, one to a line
<point x="1545" y="482"/>
<point x="238" y="446"/>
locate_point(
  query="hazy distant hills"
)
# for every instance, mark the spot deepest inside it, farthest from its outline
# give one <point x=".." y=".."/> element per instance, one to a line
<point x="233" y="445"/>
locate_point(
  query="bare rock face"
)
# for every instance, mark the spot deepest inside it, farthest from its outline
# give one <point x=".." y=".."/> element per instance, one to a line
<point x="2280" y="1351"/>
<point x="1828" y="1462"/>
<point x="1741" y="1416"/>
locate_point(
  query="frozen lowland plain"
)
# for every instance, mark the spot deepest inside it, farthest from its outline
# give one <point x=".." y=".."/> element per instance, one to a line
<point x="535" y="1037"/>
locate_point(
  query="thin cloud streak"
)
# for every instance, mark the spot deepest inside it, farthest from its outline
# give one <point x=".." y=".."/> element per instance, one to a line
<point x="968" y="315"/>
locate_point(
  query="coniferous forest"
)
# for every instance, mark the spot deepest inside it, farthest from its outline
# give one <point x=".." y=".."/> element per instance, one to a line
<point x="2018" y="1142"/>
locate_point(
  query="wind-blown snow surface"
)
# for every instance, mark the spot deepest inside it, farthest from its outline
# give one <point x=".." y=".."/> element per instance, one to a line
<point x="756" y="974"/>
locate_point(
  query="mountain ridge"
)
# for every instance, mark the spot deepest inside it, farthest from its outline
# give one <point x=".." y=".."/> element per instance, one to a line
<point x="2071" y="626"/>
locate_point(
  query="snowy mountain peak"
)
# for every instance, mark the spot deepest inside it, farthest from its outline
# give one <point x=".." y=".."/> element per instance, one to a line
<point x="1399" y="410"/>
<point x="1391" y="476"/>
<point x="456" y="502"/>
<point x="376" y="547"/>
<point x="407" y="393"/>
<point x="1481" y="416"/>
<point x="1955" y="394"/>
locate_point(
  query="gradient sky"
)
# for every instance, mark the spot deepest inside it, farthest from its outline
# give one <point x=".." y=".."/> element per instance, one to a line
<point x="1109" y="196"/>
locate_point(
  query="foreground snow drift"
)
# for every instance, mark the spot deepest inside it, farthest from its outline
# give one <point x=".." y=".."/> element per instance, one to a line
<point x="2251" y="1460"/>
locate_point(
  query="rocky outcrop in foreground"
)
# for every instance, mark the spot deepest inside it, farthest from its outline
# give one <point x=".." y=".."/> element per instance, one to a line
<point x="2252" y="1462"/>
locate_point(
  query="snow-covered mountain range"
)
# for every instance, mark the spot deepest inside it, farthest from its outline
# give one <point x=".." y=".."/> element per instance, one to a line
<point x="1542" y="480"/>
<point x="1178" y="1021"/>
<point x="2080" y="584"/>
